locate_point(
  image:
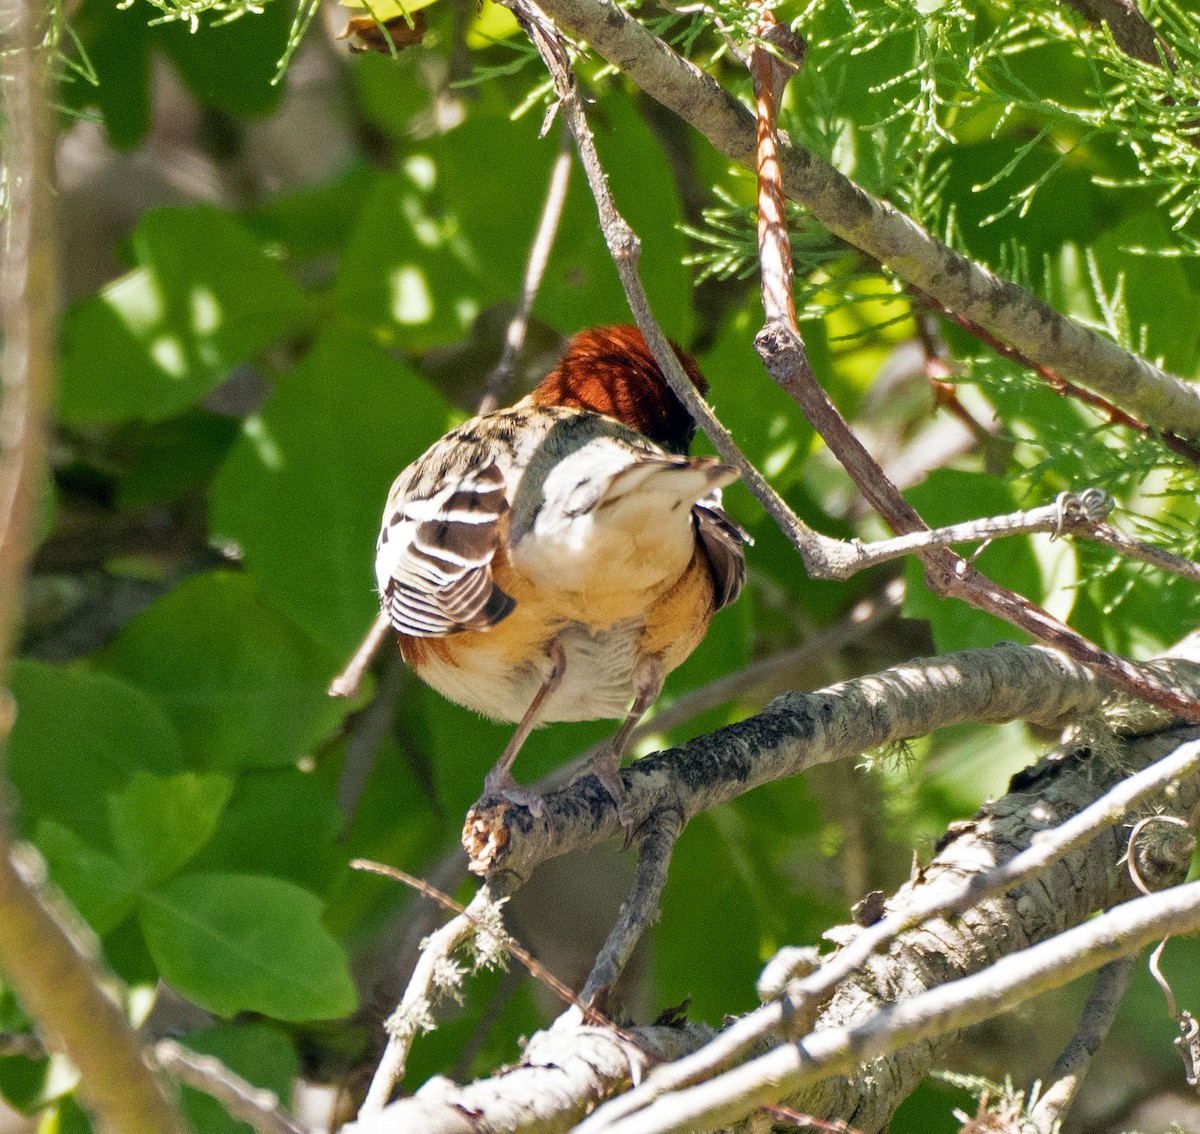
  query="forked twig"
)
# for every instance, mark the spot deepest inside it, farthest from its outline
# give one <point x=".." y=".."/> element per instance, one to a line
<point x="468" y="921"/>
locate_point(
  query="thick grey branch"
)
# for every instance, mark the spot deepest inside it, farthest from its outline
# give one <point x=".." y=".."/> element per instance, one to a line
<point x="565" y="1071"/>
<point x="795" y="732"/>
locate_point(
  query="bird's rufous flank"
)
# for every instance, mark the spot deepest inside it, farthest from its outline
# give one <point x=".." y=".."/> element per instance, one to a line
<point x="555" y="560"/>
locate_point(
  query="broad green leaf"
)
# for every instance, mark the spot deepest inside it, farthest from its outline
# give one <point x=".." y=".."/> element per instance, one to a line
<point x="244" y="687"/>
<point x="78" y="737"/>
<point x="425" y="258"/>
<point x="231" y="65"/>
<point x="257" y="1052"/>
<point x="159" y="822"/>
<point x="281" y="822"/>
<point x="103" y="890"/>
<point x="317" y="219"/>
<point x="174" y="457"/>
<point x="303" y="491"/>
<point x="203" y="298"/>
<point x="245" y="943"/>
<point x="117" y="45"/>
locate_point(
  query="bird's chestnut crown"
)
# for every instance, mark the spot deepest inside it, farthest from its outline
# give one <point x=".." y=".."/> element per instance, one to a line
<point x="610" y="370"/>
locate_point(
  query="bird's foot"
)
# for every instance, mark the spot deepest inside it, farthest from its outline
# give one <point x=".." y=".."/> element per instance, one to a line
<point x="499" y="784"/>
<point x="606" y="767"/>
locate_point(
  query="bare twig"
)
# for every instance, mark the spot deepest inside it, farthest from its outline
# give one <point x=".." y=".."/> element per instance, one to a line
<point x="478" y="919"/>
<point x="656" y="842"/>
<point x="501" y="375"/>
<point x="1112" y="413"/>
<point x="1131" y="31"/>
<point x="242" y="1100"/>
<point x="413" y="1013"/>
<point x="1112" y="981"/>
<point x="346" y="683"/>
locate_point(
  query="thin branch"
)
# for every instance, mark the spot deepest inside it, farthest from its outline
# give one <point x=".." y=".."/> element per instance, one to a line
<point x="28" y="300"/>
<point x="346" y="683"/>
<point x="1112" y="413"/>
<point x="428" y="980"/>
<point x="501" y="375"/>
<point x="1007" y="311"/>
<point x="564" y="1071"/>
<point x="638" y="912"/>
<point x="58" y="986"/>
<point x="782" y="350"/>
<point x="1131" y="31"/>
<point x="1096" y="1021"/>
<point x="242" y="1100"/>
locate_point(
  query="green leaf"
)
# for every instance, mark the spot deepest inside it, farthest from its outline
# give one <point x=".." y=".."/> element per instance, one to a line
<point x="257" y="1052"/>
<point x="425" y="257"/>
<point x="281" y="822"/>
<point x="317" y="219"/>
<point x="102" y="889"/>
<point x="116" y="40"/>
<point x="204" y="298"/>
<point x="231" y="66"/>
<point x="245" y="688"/>
<point x="78" y="737"/>
<point x="158" y="822"/>
<point x="303" y="490"/>
<point x="244" y="943"/>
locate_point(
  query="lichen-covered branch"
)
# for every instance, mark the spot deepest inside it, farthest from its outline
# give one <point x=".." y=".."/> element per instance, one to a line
<point x="564" y="1072"/>
<point x="895" y="1017"/>
<point x="795" y="732"/>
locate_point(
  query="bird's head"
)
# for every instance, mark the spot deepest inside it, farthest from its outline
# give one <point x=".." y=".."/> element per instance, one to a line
<point x="610" y="370"/>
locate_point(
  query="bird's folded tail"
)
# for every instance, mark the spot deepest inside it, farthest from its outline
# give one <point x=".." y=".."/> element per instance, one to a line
<point x="657" y="485"/>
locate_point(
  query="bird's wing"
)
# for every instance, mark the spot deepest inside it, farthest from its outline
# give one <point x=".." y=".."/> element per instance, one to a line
<point x="722" y="540"/>
<point x="445" y="520"/>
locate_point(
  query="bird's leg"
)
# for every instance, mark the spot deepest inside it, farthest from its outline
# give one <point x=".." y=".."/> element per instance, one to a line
<point x="499" y="780"/>
<point x="648" y="680"/>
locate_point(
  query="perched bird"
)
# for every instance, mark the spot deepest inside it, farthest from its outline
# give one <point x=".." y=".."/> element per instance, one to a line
<point x="554" y="561"/>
